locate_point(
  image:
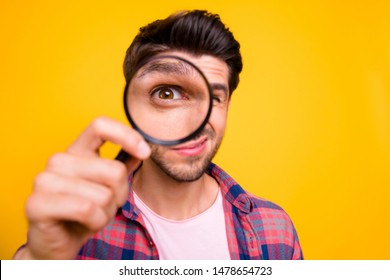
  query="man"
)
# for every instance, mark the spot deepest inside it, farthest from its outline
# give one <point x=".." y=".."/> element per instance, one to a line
<point x="165" y="202"/>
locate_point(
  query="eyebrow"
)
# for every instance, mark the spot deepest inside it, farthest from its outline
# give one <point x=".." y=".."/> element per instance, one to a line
<point x="220" y="87"/>
<point x="178" y="67"/>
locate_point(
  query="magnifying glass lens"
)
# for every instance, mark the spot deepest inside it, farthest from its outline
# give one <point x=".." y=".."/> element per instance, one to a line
<point x="168" y="100"/>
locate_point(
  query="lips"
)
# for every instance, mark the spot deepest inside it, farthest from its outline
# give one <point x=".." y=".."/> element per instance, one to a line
<point x="191" y="148"/>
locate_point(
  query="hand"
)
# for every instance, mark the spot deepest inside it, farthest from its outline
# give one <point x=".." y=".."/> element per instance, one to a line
<point x="79" y="193"/>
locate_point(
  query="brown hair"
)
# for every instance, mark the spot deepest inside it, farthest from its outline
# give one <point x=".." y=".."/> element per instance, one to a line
<point x="197" y="32"/>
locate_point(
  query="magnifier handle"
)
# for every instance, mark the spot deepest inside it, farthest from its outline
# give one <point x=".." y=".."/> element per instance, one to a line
<point x="123" y="156"/>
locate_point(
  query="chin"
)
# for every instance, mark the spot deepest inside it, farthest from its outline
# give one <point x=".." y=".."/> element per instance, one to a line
<point x="185" y="171"/>
<point x="182" y="167"/>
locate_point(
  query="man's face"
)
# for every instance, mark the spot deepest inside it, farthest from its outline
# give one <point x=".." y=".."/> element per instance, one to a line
<point x="188" y="161"/>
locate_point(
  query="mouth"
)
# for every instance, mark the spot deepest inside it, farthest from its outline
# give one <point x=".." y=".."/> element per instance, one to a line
<point x="191" y="148"/>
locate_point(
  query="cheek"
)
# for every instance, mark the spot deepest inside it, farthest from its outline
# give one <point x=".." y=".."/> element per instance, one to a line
<point x="218" y="120"/>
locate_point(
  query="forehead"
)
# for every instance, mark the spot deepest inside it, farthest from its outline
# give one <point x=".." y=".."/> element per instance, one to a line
<point x="215" y="69"/>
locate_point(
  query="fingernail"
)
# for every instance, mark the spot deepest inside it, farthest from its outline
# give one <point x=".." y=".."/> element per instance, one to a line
<point x="143" y="149"/>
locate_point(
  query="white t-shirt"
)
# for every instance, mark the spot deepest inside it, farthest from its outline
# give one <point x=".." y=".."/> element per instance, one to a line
<point x="202" y="237"/>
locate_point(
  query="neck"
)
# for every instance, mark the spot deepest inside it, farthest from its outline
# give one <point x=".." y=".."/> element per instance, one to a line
<point x="172" y="199"/>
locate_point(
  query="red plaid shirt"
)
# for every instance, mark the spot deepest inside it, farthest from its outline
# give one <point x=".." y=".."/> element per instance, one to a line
<point x="255" y="228"/>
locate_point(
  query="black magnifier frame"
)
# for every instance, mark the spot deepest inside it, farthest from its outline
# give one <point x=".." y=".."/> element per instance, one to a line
<point x="123" y="156"/>
<point x="176" y="141"/>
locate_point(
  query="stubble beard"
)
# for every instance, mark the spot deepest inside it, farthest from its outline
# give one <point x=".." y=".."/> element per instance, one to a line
<point x="193" y="168"/>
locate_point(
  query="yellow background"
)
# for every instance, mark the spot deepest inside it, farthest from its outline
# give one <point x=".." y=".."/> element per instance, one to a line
<point x="309" y="126"/>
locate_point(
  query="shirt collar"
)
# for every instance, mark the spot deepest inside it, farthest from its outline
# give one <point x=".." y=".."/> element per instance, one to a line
<point x="230" y="190"/>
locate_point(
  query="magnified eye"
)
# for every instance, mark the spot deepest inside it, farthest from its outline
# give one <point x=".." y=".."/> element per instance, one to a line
<point x="167" y="93"/>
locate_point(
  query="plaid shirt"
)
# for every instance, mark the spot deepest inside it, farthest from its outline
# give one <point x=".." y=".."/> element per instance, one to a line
<point x="256" y="229"/>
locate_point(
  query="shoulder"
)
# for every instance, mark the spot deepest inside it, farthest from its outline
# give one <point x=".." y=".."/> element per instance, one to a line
<point x="260" y="210"/>
<point x="274" y="229"/>
<point x="269" y="213"/>
<point x="272" y="226"/>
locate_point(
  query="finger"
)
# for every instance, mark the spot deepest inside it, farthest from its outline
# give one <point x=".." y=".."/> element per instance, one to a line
<point x="52" y="183"/>
<point x="110" y="173"/>
<point x="105" y="129"/>
<point x="44" y="207"/>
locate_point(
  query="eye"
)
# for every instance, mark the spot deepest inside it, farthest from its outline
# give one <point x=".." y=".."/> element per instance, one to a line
<point x="167" y="93"/>
<point x="219" y="96"/>
<point x="216" y="98"/>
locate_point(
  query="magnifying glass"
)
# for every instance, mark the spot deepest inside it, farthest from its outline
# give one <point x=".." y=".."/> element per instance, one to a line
<point x="168" y="100"/>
